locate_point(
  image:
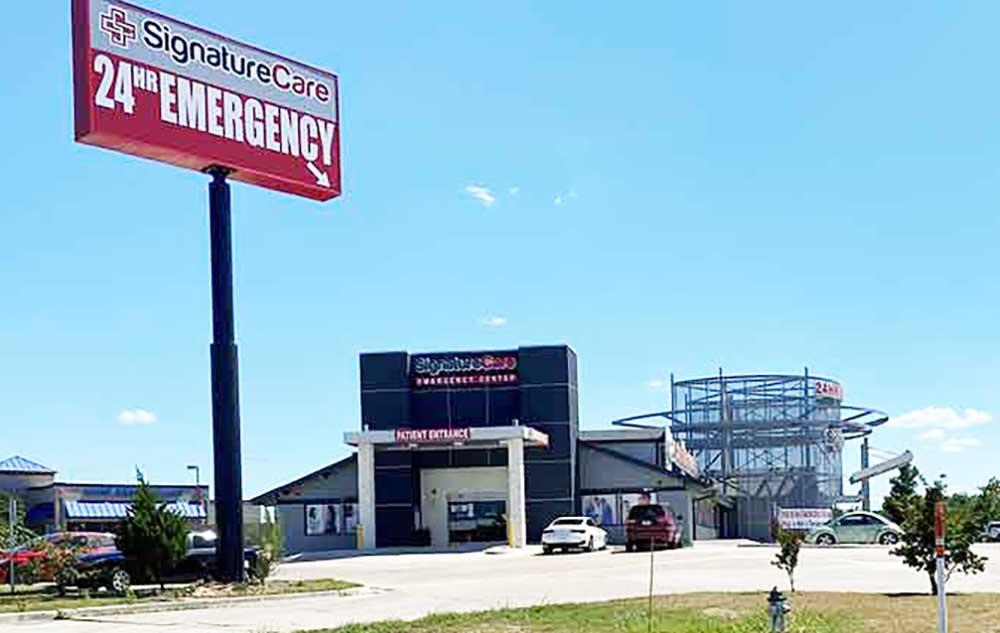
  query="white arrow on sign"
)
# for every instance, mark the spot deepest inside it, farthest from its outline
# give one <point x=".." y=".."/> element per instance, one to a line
<point x="321" y="178"/>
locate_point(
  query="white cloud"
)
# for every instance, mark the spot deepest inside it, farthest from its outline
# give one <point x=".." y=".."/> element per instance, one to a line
<point x="941" y="418"/>
<point x="959" y="444"/>
<point x="563" y="198"/>
<point x="657" y="383"/>
<point x="482" y="194"/>
<point x="514" y="191"/>
<point x="493" y="321"/>
<point x="136" y="416"/>
<point x="933" y="435"/>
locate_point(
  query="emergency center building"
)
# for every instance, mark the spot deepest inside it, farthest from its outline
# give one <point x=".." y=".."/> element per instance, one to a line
<point x="461" y="447"/>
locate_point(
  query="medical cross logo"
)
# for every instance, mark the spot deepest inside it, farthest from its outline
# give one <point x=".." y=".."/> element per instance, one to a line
<point x="116" y="26"/>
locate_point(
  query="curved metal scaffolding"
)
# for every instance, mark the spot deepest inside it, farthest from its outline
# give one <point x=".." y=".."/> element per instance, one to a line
<point x="771" y="440"/>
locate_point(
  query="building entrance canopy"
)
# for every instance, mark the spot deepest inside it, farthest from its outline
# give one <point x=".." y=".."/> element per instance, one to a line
<point x="448" y="438"/>
<point x="514" y="438"/>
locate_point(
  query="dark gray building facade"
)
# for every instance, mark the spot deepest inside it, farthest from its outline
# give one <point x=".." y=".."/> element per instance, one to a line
<point x="443" y="492"/>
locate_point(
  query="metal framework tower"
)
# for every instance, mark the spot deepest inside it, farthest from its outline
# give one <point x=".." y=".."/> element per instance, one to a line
<point x="770" y="440"/>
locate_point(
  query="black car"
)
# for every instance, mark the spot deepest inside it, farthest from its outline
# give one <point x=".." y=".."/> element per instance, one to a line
<point x="109" y="569"/>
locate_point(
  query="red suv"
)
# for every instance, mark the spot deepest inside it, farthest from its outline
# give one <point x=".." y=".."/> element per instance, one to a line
<point x="651" y="525"/>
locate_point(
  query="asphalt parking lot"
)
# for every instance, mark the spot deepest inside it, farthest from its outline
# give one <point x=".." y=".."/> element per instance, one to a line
<point x="408" y="586"/>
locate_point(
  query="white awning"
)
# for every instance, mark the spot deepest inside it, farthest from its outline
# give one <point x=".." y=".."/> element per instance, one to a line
<point x="451" y="437"/>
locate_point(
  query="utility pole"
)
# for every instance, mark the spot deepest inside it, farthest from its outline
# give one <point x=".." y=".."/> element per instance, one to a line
<point x="202" y="501"/>
<point x="866" y="498"/>
<point x="12" y="542"/>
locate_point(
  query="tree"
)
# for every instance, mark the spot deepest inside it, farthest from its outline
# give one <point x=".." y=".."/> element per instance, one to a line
<point x="22" y="534"/>
<point x="987" y="503"/>
<point x="152" y="538"/>
<point x="787" y="559"/>
<point x="270" y="549"/>
<point x="916" y="546"/>
<point x="903" y="494"/>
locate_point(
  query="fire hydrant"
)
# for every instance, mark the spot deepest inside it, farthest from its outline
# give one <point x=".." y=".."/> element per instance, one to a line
<point x="776" y="610"/>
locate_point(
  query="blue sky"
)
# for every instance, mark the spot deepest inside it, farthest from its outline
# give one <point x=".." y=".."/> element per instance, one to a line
<point x="665" y="187"/>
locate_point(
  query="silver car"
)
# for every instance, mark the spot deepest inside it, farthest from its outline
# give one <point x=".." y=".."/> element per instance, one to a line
<point x="856" y="527"/>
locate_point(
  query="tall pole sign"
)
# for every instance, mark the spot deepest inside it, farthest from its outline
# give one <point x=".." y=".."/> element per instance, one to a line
<point x="158" y="88"/>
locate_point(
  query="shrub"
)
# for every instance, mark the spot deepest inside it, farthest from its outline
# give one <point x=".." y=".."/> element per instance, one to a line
<point x="152" y="538"/>
<point x="787" y="559"/>
<point x="59" y="561"/>
<point x="270" y="549"/>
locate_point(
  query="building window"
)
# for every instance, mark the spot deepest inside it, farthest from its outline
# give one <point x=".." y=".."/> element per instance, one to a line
<point x="321" y="519"/>
<point x="612" y="509"/>
<point x="331" y="518"/>
<point x="477" y="521"/>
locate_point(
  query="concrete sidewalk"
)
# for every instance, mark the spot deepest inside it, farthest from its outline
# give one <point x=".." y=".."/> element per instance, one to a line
<point x="414" y="585"/>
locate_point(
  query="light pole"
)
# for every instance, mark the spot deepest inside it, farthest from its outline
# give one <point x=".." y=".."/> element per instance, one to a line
<point x="197" y="485"/>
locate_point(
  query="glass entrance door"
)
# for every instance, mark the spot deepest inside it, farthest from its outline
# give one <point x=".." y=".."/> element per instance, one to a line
<point x="477" y="521"/>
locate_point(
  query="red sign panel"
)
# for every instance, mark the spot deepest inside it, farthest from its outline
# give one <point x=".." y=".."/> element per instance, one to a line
<point x="826" y="389"/>
<point x="155" y="87"/>
<point x="940" y="524"/>
<point x="432" y="436"/>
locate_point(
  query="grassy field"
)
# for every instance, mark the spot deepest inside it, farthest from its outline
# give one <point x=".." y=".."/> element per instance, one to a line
<point x="47" y="600"/>
<point x="718" y="613"/>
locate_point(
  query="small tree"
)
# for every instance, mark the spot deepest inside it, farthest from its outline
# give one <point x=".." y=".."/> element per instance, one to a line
<point x="152" y="537"/>
<point x="22" y="534"/>
<point x="787" y="559"/>
<point x="903" y="495"/>
<point x="916" y="546"/>
<point x="270" y="549"/>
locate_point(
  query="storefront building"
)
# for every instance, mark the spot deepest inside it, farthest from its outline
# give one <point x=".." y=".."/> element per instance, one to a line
<point x="462" y="447"/>
<point x="52" y="506"/>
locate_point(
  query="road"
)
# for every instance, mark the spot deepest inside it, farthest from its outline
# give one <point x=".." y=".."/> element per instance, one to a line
<point x="412" y="585"/>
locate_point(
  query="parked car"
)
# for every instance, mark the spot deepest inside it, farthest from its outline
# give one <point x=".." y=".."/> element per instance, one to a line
<point x="856" y="527"/>
<point x="84" y="542"/>
<point x="991" y="533"/>
<point x="651" y="525"/>
<point x="566" y="533"/>
<point x="108" y="568"/>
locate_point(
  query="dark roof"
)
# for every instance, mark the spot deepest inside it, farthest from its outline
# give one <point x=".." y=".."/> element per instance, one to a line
<point x="678" y="474"/>
<point x="326" y="471"/>
<point x="21" y="466"/>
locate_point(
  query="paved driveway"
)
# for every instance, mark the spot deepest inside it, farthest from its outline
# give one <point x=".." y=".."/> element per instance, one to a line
<point x="411" y="585"/>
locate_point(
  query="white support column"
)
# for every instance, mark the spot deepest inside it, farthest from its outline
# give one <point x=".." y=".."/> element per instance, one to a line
<point x="515" y="493"/>
<point x="366" y="494"/>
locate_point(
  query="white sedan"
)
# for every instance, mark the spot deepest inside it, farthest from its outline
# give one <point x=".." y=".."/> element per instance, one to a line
<point x="567" y="533"/>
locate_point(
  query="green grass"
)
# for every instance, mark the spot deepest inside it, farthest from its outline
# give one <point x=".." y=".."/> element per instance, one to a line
<point x="47" y="600"/>
<point x="278" y="587"/>
<point x="51" y="602"/>
<point x="610" y="617"/>
<point x="717" y="613"/>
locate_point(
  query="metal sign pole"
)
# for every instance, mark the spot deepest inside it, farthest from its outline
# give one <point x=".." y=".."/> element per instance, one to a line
<point x="939" y="531"/>
<point x="11" y="526"/>
<point x="225" y="386"/>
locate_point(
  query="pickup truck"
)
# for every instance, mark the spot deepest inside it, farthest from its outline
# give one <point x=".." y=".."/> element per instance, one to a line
<point x="991" y="533"/>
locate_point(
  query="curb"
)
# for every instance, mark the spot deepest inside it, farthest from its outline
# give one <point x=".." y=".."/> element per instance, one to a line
<point x="833" y="547"/>
<point x="182" y="604"/>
